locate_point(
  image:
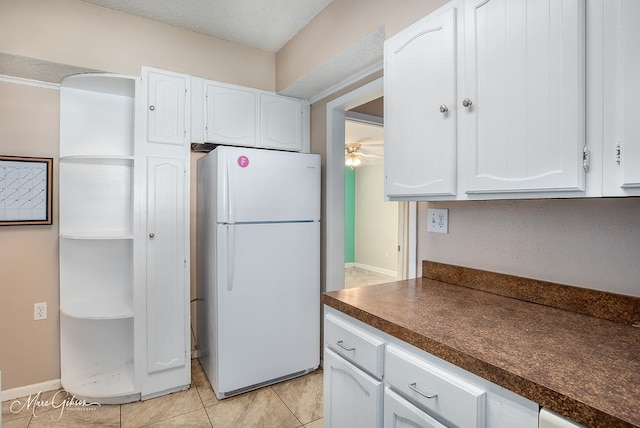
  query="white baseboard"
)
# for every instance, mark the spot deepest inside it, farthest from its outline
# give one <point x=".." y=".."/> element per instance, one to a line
<point x="25" y="391"/>
<point x="376" y="269"/>
<point x="349" y="265"/>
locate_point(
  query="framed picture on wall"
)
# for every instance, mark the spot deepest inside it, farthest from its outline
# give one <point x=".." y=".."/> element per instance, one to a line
<point x="26" y="185"/>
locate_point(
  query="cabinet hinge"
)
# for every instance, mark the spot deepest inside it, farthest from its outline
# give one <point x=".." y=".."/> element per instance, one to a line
<point x="585" y="158"/>
<point x="618" y="150"/>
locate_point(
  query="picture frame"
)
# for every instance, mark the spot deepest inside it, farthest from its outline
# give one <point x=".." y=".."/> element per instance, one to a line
<point x="26" y="191"/>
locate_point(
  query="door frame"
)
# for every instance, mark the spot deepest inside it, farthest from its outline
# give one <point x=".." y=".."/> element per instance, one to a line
<point x="334" y="209"/>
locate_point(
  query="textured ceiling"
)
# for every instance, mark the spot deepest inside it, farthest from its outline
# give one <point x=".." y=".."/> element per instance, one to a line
<point x="264" y="24"/>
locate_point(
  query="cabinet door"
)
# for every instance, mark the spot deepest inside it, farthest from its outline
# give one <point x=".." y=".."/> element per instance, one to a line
<point x="522" y="105"/>
<point x="166" y="113"/>
<point x="621" y="94"/>
<point x="231" y="116"/>
<point x="280" y="122"/>
<point x="399" y="413"/>
<point x="352" y="399"/>
<point x="420" y="111"/>
<point x="166" y="282"/>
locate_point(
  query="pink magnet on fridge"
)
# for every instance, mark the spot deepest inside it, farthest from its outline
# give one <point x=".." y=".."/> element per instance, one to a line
<point x="243" y="161"/>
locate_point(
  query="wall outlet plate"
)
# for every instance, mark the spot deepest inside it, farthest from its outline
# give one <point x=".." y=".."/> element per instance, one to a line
<point x="438" y="220"/>
<point x="40" y="311"/>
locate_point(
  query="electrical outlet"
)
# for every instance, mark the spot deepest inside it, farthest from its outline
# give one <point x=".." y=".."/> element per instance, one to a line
<point x="438" y="220"/>
<point x="40" y="311"/>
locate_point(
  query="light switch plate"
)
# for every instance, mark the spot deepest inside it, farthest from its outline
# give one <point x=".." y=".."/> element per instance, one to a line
<point x="438" y="220"/>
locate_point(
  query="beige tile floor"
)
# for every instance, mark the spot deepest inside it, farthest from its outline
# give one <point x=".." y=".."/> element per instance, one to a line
<point x="357" y="277"/>
<point x="294" y="403"/>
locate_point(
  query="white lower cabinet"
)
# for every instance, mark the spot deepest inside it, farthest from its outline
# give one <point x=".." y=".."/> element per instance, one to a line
<point x="353" y="399"/>
<point x="399" y="413"/>
<point x="412" y="388"/>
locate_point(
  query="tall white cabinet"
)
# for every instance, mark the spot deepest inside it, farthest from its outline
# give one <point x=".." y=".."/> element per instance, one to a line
<point x="162" y="233"/>
<point x="120" y="294"/>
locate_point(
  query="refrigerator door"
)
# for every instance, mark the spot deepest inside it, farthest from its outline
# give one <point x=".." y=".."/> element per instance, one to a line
<point x="257" y="185"/>
<point x="268" y="302"/>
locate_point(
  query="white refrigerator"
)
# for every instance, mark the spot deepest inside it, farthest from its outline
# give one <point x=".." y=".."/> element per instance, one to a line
<point x="258" y="264"/>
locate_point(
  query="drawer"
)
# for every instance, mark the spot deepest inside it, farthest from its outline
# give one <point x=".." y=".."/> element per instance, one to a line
<point x="355" y="345"/>
<point x="449" y="398"/>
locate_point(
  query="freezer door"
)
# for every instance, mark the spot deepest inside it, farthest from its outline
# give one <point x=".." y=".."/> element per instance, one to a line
<point x="268" y="302"/>
<point x="257" y="185"/>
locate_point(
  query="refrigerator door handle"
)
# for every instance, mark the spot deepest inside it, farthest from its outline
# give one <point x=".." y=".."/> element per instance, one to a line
<point x="228" y="196"/>
<point x="231" y="238"/>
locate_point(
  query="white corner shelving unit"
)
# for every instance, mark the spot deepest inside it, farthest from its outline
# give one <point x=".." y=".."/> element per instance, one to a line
<point x="97" y="115"/>
<point x="124" y="235"/>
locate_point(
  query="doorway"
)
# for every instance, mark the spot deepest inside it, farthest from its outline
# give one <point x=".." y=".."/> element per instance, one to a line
<point x="334" y="215"/>
<point x="371" y="223"/>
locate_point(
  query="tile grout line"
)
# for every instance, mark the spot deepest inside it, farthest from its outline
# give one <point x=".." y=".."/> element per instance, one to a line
<point x="288" y="408"/>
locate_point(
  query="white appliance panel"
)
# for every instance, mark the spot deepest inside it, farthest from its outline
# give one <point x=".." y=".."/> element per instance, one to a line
<point x="257" y="185"/>
<point x="268" y="299"/>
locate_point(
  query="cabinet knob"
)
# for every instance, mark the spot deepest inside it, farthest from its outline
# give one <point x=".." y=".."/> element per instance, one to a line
<point x="444" y="108"/>
<point x="152" y="107"/>
<point x="152" y="235"/>
<point x="467" y="102"/>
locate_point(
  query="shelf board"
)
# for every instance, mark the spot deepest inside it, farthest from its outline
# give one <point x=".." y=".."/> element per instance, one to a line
<point x="112" y="386"/>
<point x="99" y="308"/>
<point x="105" y="83"/>
<point x="124" y="160"/>
<point x="88" y="236"/>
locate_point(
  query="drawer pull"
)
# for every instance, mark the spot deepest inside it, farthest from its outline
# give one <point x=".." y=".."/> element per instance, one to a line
<point x="414" y="388"/>
<point x="340" y="344"/>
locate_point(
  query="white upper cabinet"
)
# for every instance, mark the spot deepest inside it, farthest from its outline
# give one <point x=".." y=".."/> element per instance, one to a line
<point x="281" y="122"/>
<point x="420" y="108"/>
<point x="621" y="166"/>
<point x="231" y="115"/>
<point x="238" y="116"/>
<point x="167" y="96"/>
<point x="522" y="107"/>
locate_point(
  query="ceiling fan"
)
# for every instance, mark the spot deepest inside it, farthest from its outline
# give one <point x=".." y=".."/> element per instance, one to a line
<point x="355" y="154"/>
<point x="364" y="142"/>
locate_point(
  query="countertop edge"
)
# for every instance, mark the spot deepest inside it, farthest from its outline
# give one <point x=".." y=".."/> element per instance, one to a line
<point x="544" y="396"/>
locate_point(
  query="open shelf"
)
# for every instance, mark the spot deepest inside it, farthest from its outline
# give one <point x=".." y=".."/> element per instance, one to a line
<point x="97" y="359"/>
<point x="96" y="198"/>
<point x="97" y="115"/>
<point x="96" y="278"/>
<point x="106" y="387"/>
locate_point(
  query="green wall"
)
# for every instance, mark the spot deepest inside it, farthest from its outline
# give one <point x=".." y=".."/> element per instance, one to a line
<point x="349" y="215"/>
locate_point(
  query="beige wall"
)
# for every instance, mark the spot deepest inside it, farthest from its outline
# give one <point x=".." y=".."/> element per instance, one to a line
<point x="592" y="243"/>
<point x="376" y="220"/>
<point x="81" y="34"/>
<point x="29" y="350"/>
<point x="340" y="25"/>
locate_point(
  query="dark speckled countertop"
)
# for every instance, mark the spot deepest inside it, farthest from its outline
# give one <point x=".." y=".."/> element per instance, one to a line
<point x="581" y="366"/>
